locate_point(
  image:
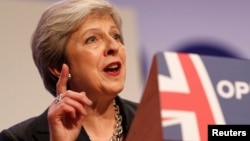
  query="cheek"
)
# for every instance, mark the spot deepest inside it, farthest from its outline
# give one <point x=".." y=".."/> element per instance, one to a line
<point x="123" y="55"/>
<point x="81" y="62"/>
<point x="123" y="58"/>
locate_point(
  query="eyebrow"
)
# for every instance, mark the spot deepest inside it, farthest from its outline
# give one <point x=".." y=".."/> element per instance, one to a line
<point x="97" y="29"/>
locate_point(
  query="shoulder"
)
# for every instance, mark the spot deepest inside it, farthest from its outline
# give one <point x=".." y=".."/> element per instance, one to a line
<point x="16" y="131"/>
<point x="131" y="105"/>
<point x="23" y="130"/>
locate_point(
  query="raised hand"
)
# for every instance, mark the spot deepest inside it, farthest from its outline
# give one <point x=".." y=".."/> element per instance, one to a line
<point x="66" y="114"/>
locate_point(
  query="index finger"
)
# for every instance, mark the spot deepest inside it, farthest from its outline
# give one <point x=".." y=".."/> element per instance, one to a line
<point x="63" y="79"/>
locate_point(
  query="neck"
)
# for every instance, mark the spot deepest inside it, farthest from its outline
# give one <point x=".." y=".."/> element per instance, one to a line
<point x="103" y="125"/>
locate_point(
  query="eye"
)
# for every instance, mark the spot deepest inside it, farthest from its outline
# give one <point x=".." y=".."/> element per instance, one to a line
<point x="90" y="39"/>
<point x="117" y="37"/>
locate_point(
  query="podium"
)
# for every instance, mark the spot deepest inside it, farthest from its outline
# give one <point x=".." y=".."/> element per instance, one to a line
<point x="186" y="92"/>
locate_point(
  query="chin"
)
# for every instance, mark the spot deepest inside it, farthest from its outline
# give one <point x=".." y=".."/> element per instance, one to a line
<point x="116" y="90"/>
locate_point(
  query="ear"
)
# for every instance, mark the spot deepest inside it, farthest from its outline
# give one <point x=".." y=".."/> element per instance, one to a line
<point x="55" y="72"/>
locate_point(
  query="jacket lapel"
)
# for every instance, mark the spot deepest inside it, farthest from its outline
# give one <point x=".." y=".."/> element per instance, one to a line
<point x="41" y="127"/>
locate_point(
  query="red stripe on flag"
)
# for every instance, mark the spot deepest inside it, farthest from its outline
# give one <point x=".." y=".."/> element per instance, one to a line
<point x="195" y="101"/>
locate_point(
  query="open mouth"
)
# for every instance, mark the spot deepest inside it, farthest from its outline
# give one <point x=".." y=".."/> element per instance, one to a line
<point x="113" y="67"/>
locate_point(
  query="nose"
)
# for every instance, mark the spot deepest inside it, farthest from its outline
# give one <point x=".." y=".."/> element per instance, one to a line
<point x="112" y="47"/>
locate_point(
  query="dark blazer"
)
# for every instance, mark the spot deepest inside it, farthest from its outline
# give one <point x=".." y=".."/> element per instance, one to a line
<point x="37" y="128"/>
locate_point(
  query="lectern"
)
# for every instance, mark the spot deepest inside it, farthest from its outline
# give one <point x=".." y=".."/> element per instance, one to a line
<point x="186" y="92"/>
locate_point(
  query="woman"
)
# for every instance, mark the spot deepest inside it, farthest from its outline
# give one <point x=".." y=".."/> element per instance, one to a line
<point x="79" y="51"/>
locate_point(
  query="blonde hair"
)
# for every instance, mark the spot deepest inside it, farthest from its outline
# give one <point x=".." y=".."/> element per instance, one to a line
<point x="54" y="29"/>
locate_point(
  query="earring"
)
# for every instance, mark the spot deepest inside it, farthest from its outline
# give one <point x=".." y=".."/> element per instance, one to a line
<point x="69" y="76"/>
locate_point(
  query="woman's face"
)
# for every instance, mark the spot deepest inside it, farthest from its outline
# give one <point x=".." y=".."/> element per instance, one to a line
<point x="97" y="57"/>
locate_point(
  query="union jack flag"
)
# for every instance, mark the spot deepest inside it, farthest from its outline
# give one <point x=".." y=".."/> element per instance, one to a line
<point x="189" y="98"/>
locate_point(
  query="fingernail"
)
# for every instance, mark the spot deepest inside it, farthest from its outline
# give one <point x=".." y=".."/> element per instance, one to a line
<point x="89" y="102"/>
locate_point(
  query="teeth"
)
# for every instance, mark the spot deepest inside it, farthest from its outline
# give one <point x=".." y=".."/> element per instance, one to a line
<point x="113" y="66"/>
